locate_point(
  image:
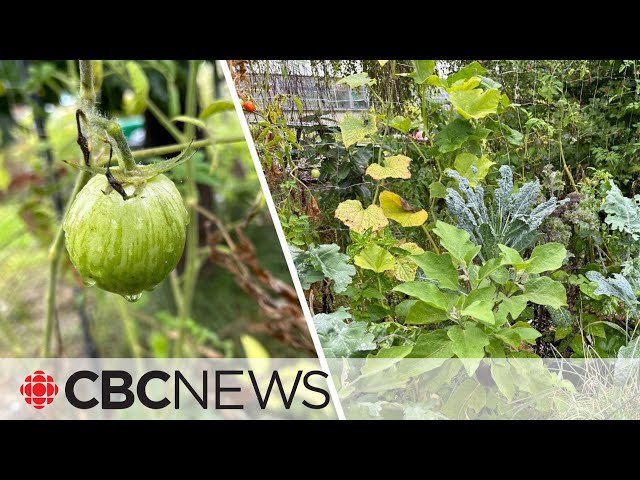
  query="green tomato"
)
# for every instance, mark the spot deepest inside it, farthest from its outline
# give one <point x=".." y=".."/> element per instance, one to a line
<point x="315" y="173"/>
<point x="126" y="246"/>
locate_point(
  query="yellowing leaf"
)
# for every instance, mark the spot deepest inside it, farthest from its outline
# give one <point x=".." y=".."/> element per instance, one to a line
<point x="374" y="258"/>
<point x="412" y="248"/>
<point x="405" y="270"/>
<point x="468" y="84"/>
<point x="354" y="130"/>
<point x="382" y="62"/>
<point x="393" y="208"/>
<point x="475" y="103"/>
<point x="358" y="219"/>
<point x="396" y="166"/>
<point x="466" y="162"/>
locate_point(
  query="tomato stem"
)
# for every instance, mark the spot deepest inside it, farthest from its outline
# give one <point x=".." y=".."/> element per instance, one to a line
<point x="125" y="159"/>
<point x="87" y="102"/>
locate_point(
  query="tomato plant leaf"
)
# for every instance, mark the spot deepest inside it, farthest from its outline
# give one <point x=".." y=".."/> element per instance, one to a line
<point x="216" y="107"/>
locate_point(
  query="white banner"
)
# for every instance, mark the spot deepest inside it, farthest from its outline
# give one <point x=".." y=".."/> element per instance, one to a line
<point x="110" y="388"/>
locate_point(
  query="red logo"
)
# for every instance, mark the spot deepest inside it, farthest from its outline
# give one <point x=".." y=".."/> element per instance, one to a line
<point x="39" y="389"/>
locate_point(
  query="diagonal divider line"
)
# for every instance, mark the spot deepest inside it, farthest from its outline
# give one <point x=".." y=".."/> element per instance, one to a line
<point x="283" y="243"/>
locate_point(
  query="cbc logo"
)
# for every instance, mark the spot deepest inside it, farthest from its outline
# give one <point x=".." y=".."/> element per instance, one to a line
<point x="39" y="389"/>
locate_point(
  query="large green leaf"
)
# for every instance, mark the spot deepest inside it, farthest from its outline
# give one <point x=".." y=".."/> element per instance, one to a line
<point x="511" y="256"/>
<point x="375" y="258"/>
<point x="454" y="135"/>
<point x="481" y="310"/>
<point x="423" y="69"/>
<point x="422" y="314"/>
<point x="467" y="399"/>
<point x="457" y="242"/>
<point x="425" y="291"/>
<point x="471" y="70"/>
<point x="545" y="291"/>
<point x="466" y="163"/>
<point x="526" y="332"/>
<point x="400" y="123"/>
<point x="358" y="219"/>
<point x="435" y="344"/>
<point x="631" y="350"/>
<point x="354" y="130"/>
<point x="438" y="268"/>
<point x="475" y="103"/>
<point x="485" y="294"/>
<point x="468" y="343"/>
<point x="546" y="257"/>
<point x="514" y="305"/>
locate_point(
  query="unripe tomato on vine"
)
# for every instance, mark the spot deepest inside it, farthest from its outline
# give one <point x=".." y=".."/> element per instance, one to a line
<point x="126" y="229"/>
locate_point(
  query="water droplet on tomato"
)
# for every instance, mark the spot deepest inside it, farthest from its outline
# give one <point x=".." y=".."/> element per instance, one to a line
<point x="133" y="298"/>
<point x="88" y="282"/>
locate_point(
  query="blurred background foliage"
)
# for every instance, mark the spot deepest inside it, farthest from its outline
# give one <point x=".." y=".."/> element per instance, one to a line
<point x="38" y="134"/>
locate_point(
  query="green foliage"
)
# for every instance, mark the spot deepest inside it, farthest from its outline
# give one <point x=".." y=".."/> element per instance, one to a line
<point x="323" y="261"/>
<point x="490" y="297"/>
<point x="341" y="339"/>
<point x="623" y="213"/>
<point x="512" y="219"/>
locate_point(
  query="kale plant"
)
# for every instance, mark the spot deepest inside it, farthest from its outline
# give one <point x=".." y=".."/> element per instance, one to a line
<point x="512" y="219"/>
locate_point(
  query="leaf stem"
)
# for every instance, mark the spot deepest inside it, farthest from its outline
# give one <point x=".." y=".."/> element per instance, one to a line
<point x="177" y="147"/>
<point x="87" y="102"/>
<point x="434" y="245"/>
<point x="165" y="122"/>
